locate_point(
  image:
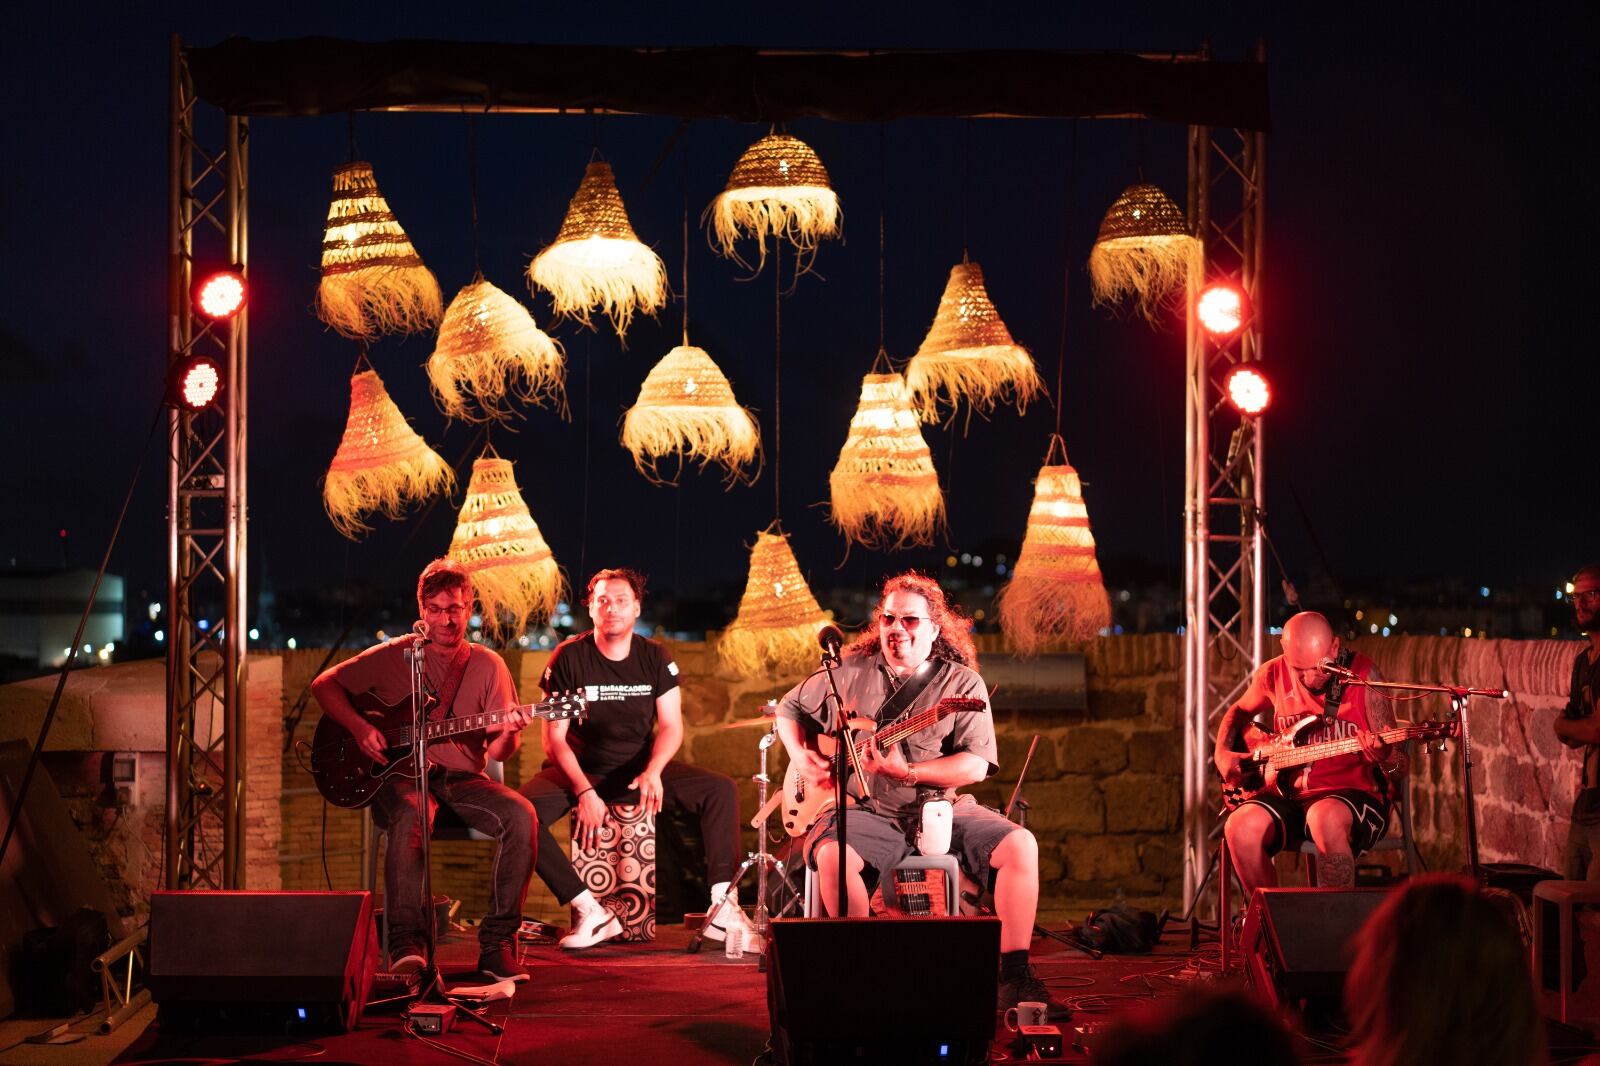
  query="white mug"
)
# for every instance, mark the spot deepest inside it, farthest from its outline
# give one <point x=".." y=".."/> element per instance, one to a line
<point x="1027" y="1013"/>
<point x="934" y="839"/>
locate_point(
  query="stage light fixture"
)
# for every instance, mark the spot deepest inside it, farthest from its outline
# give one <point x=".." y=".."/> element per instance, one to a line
<point x="1247" y="390"/>
<point x="194" y="382"/>
<point x="1222" y="309"/>
<point x="220" y="294"/>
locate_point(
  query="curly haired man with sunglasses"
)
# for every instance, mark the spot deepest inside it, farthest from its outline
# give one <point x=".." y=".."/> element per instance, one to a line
<point x="1578" y="726"/>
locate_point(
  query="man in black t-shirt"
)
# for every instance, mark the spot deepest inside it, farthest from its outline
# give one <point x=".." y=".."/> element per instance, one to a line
<point x="622" y="751"/>
<point x="1578" y="726"/>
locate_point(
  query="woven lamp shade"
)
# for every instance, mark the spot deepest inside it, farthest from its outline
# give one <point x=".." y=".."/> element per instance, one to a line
<point x="373" y="281"/>
<point x="686" y="409"/>
<point x="1055" y="593"/>
<point x="489" y="350"/>
<point x="382" y="464"/>
<point x="1144" y="251"/>
<point x="776" y="628"/>
<point x="885" y="493"/>
<point x="968" y="354"/>
<point x="497" y="540"/>
<point x="597" y="260"/>
<point x="779" y="188"/>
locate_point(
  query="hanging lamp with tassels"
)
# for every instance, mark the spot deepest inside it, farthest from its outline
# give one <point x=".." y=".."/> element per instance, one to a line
<point x="686" y="409"/>
<point x="382" y="464"/>
<point x="885" y="493"/>
<point x="498" y="542"/>
<point x="968" y="354"/>
<point x="778" y="188"/>
<point x="775" y="631"/>
<point x="1144" y="251"/>
<point x="373" y="280"/>
<point x="489" y="350"/>
<point x="597" y="261"/>
<point x="1056" y="593"/>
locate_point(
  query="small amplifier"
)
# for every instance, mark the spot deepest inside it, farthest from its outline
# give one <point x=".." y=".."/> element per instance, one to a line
<point x="431" y="1019"/>
<point x="1043" y="1041"/>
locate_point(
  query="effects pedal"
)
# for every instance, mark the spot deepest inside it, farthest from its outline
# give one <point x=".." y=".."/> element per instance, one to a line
<point x="431" y="1019"/>
<point x="1039" y="1041"/>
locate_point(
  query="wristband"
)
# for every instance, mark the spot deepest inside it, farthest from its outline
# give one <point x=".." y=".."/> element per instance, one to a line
<point x="911" y="775"/>
<point x="580" y="795"/>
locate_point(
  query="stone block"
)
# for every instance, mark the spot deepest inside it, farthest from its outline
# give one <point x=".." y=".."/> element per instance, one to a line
<point x="705" y="699"/>
<point x="1542" y="735"/>
<point x="1156" y="752"/>
<point x="1052" y="866"/>
<point x="1133" y="655"/>
<point x="1093" y="750"/>
<point x="1137" y="802"/>
<point x="1166" y="704"/>
<point x="1161" y="856"/>
<point x="1121" y="702"/>
<point x="1101" y="858"/>
<point x="1072" y="805"/>
<point x="1013" y="752"/>
<point x="731" y="751"/>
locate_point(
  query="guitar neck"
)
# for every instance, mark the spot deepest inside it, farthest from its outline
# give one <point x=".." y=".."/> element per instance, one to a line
<point x="891" y="735"/>
<point x="449" y="727"/>
<point x="1282" y="760"/>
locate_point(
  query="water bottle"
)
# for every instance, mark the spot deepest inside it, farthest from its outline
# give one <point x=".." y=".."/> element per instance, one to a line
<point x="733" y="944"/>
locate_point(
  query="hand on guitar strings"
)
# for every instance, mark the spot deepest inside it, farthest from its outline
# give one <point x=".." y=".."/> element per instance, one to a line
<point x="369" y="738"/>
<point x="816" y="769"/>
<point x="515" y="720"/>
<point x="649" y="786"/>
<point x="1373" y="747"/>
<point x="890" y="764"/>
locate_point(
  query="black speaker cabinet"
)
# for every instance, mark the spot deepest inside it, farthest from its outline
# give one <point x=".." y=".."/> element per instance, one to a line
<point x="261" y="962"/>
<point x="1297" y="943"/>
<point x="883" y="990"/>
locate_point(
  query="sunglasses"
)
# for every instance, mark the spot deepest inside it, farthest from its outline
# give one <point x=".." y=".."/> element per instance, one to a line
<point x="909" y="621"/>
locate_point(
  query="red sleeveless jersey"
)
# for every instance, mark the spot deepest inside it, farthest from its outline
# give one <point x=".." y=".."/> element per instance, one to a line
<point x="1292" y="701"/>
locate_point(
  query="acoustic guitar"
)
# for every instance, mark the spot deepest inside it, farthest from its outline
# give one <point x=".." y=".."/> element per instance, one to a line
<point x="1275" y="765"/>
<point x="345" y="775"/>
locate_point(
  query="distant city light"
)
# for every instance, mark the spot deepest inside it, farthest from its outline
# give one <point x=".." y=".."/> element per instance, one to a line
<point x="290" y="644"/>
<point x="161" y="636"/>
<point x="1125" y="595"/>
<point x="1385" y="630"/>
<point x="966" y="557"/>
<point x="1483" y="590"/>
<point x="1393" y="620"/>
<point x="1000" y="568"/>
<point x="1360" y="615"/>
<point x="1559" y="594"/>
<point x="203" y="624"/>
<point x="1467" y="632"/>
<point x="949" y="560"/>
<point x="155" y="609"/>
<point x="255" y="634"/>
<point x="978" y="614"/>
<point x="1374" y="627"/>
<point x="475" y="621"/>
<point x="544" y="640"/>
<point x="1569" y="588"/>
<point x="977" y="560"/>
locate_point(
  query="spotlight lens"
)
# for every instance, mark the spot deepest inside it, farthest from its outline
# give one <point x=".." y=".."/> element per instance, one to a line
<point x="1221" y="310"/>
<point x="221" y="295"/>
<point x="200" y="384"/>
<point x="1248" y="390"/>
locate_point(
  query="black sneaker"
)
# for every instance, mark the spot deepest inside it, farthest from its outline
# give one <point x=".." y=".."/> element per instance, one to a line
<point x="1027" y="988"/>
<point x="500" y="962"/>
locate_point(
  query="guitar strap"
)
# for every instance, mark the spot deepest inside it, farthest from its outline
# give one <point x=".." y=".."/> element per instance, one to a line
<point x="1336" y="687"/>
<point x="908" y="691"/>
<point x="453" y="673"/>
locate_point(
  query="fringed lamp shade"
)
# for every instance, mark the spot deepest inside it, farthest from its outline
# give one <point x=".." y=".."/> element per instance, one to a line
<point x="779" y="188"/>
<point x="496" y="539"/>
<point x="686" y="409"/>
<point x="373" y="281"/>
<point x="382" y="464"/>
<point x="489" y="350"/>
<point x="1056" y="592"/>
<point x="968" y="354"/>
<point x="1144" y="251"/>
<point x="776" y="628"/>
<point x="597" y="261"/>
<point x="884" y="489"/>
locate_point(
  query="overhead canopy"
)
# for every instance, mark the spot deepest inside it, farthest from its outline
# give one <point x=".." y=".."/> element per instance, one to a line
<point x="320" y="75"/>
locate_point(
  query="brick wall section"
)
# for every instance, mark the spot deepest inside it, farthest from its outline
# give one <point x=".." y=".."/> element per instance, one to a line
<point x="263" y="752"/>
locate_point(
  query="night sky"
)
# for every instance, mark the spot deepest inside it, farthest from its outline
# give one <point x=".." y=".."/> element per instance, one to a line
<point x="1430" y="273"/>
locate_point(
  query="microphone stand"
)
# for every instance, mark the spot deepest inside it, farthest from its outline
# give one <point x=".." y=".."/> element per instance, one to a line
<point x="843" y="759"/>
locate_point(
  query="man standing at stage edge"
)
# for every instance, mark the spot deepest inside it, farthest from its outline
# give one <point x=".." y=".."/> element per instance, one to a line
<point x="1341" y="803"/>
<point x="466" y="679"/>
<point x="625" y="746"/>
<point x="1578" y="726"/>
<point x="917" y="639"/>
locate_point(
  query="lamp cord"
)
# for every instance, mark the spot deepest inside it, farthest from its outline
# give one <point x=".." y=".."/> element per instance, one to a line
<point x="777" y="382"/>
<point x="883" y="200"/>
<point x="1066" y="273"/>
<point x="472" y="193"/>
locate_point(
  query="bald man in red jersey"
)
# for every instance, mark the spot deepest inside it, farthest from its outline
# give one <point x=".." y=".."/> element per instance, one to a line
<point x="1340" y="803"/>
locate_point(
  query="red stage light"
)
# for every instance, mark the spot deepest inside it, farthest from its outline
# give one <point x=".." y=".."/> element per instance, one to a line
<point x="220" y="295"/>
<point x="1222" y="309"/>
<point x="1247" y="390"/>
<point x="194" y="383"/>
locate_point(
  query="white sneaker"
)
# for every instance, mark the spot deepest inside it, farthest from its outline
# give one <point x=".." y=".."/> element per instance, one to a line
<point x="594" y="927"/>
<point x="727" y="918"/>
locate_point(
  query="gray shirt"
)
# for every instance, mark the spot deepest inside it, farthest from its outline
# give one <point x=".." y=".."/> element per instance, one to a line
<point x="865" y="682"/>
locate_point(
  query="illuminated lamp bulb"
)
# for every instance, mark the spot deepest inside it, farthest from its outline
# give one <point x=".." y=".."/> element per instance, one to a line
<point x="194" y="382"/>
<point x="220" y="295"/>
<point x="1247" y="390"/>
<point x="1222" y="309"/>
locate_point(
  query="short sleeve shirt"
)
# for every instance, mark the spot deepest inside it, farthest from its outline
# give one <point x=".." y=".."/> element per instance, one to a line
<point x="620" y="723"/>
<point x="1583" y="699"/>
<point x="486" y="685"/>
<point x="865" y="682"/>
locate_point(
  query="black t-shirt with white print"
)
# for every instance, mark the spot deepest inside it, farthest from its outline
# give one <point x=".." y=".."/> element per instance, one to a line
<point x="620" y="724"/>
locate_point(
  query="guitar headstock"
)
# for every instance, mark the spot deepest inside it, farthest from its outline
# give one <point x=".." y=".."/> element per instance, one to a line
<point x="960" y="705"/>
<point x="1430" y="730"/>
<point x="563" y="705"/>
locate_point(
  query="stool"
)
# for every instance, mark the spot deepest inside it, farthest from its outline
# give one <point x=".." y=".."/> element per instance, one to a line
<point x="620" y="870"/>
<point x="1563" y="894"/>
<point x="954" y="881"/>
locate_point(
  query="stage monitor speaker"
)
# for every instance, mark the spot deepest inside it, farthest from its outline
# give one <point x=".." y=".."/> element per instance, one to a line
<point x="261" y="962"/>
<point x="883" y="990"/>
<point x="1297" y="943"/>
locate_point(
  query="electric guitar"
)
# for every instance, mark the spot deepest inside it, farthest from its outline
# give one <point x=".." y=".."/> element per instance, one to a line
<point x="802" y="803"/>
<point x="1275" y="764"/>
<point x="347" y="777"/>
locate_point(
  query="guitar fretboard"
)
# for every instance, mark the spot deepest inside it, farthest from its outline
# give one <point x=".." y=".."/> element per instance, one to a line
<point x="449" y="727"/>
<point x="895" y="732"/>
<point x="1310" y="753"/>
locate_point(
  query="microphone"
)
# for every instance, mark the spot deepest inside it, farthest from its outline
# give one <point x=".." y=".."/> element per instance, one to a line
<point x="419" y="633"/>
<point x="832" y="640"/>
<point x="1334" y="668"/>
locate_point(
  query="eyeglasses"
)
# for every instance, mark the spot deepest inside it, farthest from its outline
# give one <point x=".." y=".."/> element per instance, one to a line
<point x="1586" y="596"/>
<point x="909" y="621"/>
<point x="449" y="608"/>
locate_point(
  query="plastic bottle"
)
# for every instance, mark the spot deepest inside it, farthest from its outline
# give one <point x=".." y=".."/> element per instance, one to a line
<point x="733" y="944"/>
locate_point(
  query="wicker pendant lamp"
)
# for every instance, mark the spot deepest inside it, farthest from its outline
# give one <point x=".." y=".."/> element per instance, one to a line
<point x="776" y="628"/>
<point x="885" y="493"/>
<point x="1055" y="592"/>
<point x="968" y="354"/>
<point x="778" y="188"/>
<point x="1144" y="251"/>
<point x="497" y="540"/>
<point x="686" y="409"/>
<point x="597" y="261"/>
<point x="373" y="280"/>
<point x="489" y="350"/>
<point x="382" y="464"/>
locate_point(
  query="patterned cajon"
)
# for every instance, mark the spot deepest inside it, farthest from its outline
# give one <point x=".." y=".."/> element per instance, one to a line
<point x="621" y="869"/>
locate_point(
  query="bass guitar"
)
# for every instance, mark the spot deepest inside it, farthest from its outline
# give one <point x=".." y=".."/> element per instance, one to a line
<point x="1275" y="764"/>
<point x="802" y="803"/>
<point x="347" y="777"/>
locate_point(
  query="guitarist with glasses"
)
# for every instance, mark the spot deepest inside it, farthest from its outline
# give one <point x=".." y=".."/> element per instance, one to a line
<point x="1341" y="803"/>
<point x="465" y="679"/>
<point x="917" y="653"/>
